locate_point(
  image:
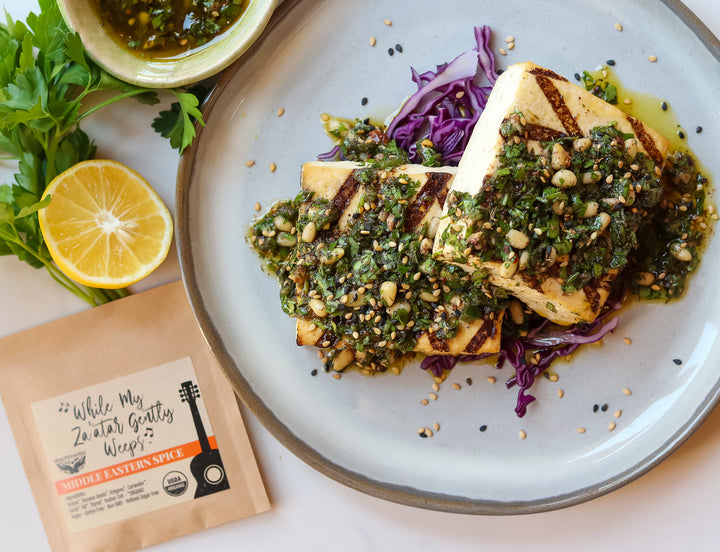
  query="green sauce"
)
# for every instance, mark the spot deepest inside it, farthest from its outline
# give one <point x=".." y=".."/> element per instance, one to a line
<point x="577" y="231"/>
<point x="347" y="272"/>
<point x="165" y="28"/>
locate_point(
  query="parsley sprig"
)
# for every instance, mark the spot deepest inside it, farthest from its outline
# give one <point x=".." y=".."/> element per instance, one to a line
<point x="48" y="86"/>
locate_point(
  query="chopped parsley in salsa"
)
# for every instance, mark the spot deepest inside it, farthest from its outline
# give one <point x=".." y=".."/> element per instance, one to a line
<point x="169" y="27"/>
<point x="633" y="221"/>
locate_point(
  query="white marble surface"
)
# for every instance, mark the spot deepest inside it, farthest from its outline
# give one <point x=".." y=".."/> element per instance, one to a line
<point x="672" y="507"/>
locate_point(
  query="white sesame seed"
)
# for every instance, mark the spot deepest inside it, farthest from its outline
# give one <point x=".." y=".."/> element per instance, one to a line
<point x="522" y="434"/>
<point x="257" y="206"/>
<point x="373" y="41"/>
<point x="249" y="163"/>
<point x="618" y="413"/>
<point x="273" y="167"/>
<point x="503" y="52"/>
<point x="580" y="430"/>
<point x="281" y="112"/>
<point x="510" y="39"/>
<point x="627" y="340"/>
<point x="387" y="22"/>
<point x="653" y="59"/>
<point x="619" y="27"/>
<point x="627" y="391"/>
<point x="611" y="426"/>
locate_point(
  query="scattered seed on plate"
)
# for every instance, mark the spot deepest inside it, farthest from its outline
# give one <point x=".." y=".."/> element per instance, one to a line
<point x="257" y="206"/>
<point x="491" y="379"/>
<point x="421" y="432"/>
<point x="281" y="112"/>
<point x="677" y="361"/>
<point x="456" y="386"/>
<point x="510" y="39"/>
<point x="560" y="393"/>
<point x="553" y="377"/>
<point x="610" y="62"/>
<point x="468" y="381"/>
<point x="424" y="402"/>
<point x="611" y="426"/>
<point x="580" y="430"/>
<point x="618" y="413"/>
<point x="313" y="372"/>
<point x="273" y="167"/>
<point x="618" y="26"/>
<point x="436" y="426"/>
<point x="503" y="52"/>
<point x="627" y="340"/>
<point x="435" y="387"/>
<point x="663" y="106"/>
<point x="522" y="434"/>
<point x="398" y="48"/>
<point x="325" y="117"/>
<point x="249" y="163"/>
<point x="373" y="41"/>
<point x="387" y="22"/>
<point x="604" y="407"/>
<point x="433" y="396"/>
<point x="681" y="135"/>
<point x="627" y="391"/>
<point x="596" y="407"/>
<point x="483" y="428"/>
<point x="653" y="59"/>
<point x="577" y="76"/>
<point x="511" y="45"/>
<point x="391" y="51"/>
<point x="364" y="101"/>
<point x="698" y="129"/>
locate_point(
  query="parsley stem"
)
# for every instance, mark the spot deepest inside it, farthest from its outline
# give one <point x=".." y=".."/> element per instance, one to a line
<point x="107" y="102"/>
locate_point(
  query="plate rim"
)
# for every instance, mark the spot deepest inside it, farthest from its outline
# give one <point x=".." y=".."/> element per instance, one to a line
<point x="399" y="494"/>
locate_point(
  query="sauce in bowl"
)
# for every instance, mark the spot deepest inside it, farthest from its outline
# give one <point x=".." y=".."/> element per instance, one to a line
<point x="166" y="28"/>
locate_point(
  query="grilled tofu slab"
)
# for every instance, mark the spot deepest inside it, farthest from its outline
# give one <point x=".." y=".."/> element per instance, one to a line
<point x="536" y="107"/>
<point x="340" y="185"/>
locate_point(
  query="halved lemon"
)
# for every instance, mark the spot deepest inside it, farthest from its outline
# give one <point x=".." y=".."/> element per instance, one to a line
<point x="105" y="226"/>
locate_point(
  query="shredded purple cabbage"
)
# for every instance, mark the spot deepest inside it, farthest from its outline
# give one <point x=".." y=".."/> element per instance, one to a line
<point x="545" y="344"/>
<point x="448" y="103"/>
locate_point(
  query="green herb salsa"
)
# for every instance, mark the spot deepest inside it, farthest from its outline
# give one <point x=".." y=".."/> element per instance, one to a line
<point x="341" y="280"/>
<point x="648" y="227"/>
<point x="164" y="28"/>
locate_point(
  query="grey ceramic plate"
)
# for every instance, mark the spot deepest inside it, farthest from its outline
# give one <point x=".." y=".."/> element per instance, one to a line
<point x="316" y="58"/>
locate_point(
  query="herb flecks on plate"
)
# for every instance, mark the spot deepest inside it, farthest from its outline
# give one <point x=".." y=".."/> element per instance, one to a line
<point x="46" y="83"/>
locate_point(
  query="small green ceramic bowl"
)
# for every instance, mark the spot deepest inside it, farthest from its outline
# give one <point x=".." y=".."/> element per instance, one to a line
<point x="82" y="17"/>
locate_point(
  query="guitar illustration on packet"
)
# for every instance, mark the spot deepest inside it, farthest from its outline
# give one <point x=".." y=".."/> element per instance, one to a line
<point x="206" y="467"/>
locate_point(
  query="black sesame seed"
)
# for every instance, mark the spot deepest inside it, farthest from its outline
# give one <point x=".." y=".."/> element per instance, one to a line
<point x="391" y="51"/>
<point x="314" y="372"/>
<point x="604" y="407"/>
<point x="364" y="101"/>
<point x="366" y="121"/>
<point x="610" y="62"/>
<point x="577" y="76"/>
<point x="468" y="381"/>
<point x="681" y="134"/>
<point x="698" y="129"/>
<point x="663" y="106"/>
<point x="423" y="434"/>
<point x="596" y="407"/>
<point x="398" y="47"/>
<point x="500" y="71"/>
<point x="677" y="361"/>
<point x="483" y="427"/>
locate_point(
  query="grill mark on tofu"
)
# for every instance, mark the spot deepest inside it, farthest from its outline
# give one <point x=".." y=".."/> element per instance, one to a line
<point x="438" y="344"/>
<point x="436" y="188"/>
<point x="347" y="191"/>
<point x="559" y="106"/>
<point x="541" y="71"/>
<point x="486" y="331"/>
<point x="645" y="139"/>
<point x="542" y="133"/>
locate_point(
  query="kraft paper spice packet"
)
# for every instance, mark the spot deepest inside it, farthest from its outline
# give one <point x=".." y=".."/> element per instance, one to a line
<point x="128" y="431"/>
